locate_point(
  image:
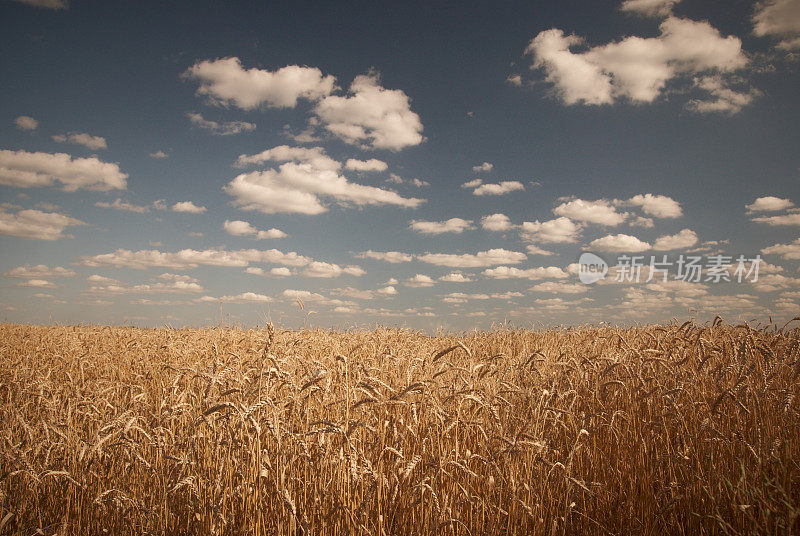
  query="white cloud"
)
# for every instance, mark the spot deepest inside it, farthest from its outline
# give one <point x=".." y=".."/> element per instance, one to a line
<point x="397" y="179"/>
<point x="514" y="80"/>
<point x="25" y="170"/>
<point x="496" y="222"/>
<point x="486" y="166"/>
<point x="558" y="231"/>
<point x="36" y="224"/>
<point x="38" y="283"/>
<point x="373" y="164"/>
<point x="658" y="206"/>
<point x="393" y="257"/>
<point x="649" y="8"/>
<point x="328" y="270"/>
<point x="160" y="155"/>
<point x="39" y="271"/>
<point x="501" y="188"/>
<point x="243" y="228"/>
<point x="600" y="212"/>
<point x="188" y="206"/>
<point x="634" y="68"/>
<point x="779" y="18"/>
<point x="163" y="284"/>
<point x="280" y="271"/>
<point x="119" y="204"/>
<point x="455" y="277"/>
<point x="619" y="243"/>
<point x="357" y="294"/>
<point x="191" y="258"/>
<point x="245" y="297"/>
<point x="79" y="138"/>
<point x="297" y="185"/>
<point x="453" y="225"/>
<point x="785" y="219"/>
<point x="315" y="157"/>
<point x="313" y="297"/>
<point x="684" y="239"/>
<point x="480" y="259"/>
<point x="25" y="122"/>
<point x="560" y="287"/>
<point x="533" y="249"/>
<point x="47" y="4"/>
<point x="474" y="183"/>
<point x="371" y="116"/>
<point x="420" y="280"/>
<point x="769" y="204"/>
<point x="226" y="82"/>
<point x="509" y="272"/>
<point x="641" y="221"/>
<point x="723" y="98"/>
<point x="788" y="251"/>
<point x="227" y="128"/>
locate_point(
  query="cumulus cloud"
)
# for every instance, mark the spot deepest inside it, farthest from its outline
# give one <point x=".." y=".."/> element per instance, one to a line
<point x="38" y="283"/>
<point x="619" y="243"/>
<point x="79" y="138"/>
<point x="26" y="170"/>
<point x="227" y="128"/>
<point x="393" y="257"/>
<point x="600" y="212"/>
<point x="510" y="272"/>
<point x="560" y="287"/>
<point x="787" y="251"/>
<point x="373" y="164"/>
<point x="245" y="297"/>
<point x="191" y="258"/>
<point x="278" y="271"/>
<point x="779" y="18"/>
<point x="371" y="116"/>
<point x="496" y="222"/>
<point x="297" y="185"/>
<point x="486" y="167"/>
<point x="480" y="259"/>
<point x="769" y="204"/>
<point x="419" y="280"/>
<point x="35" y="224"/>
<point x="453" y="225"/>
<point x="558" y="231"/>
<point x="119" y="204"/>
<point x="25" y="122"/>
<point x="649" y="8"/>
<point x="39" y="271"/>
<point x="658" y="206"/>
<point x="501" y="188"/>
<point x="784" y="219"/>
<point x="455" y="277"/>
<point x="635" y="68"/>
<point x="397" y="179"/>
<point x="723" y="97"/>
<point x="188" y="206"/>
<point x="684" y="239"/>
<point x="328" y="270"/>
<point x="243" y="228"/>
<point x="358" y="294"/>
<point x="159" y="155"/>
<point x="163" y="284"/>
<point x="225" y="82"/>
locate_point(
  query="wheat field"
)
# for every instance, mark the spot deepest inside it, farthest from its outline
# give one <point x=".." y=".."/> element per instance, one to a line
<point x="677" y="429"/>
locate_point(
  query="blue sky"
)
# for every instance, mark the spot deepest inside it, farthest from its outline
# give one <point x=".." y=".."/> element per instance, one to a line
<point x="418" y="165"/>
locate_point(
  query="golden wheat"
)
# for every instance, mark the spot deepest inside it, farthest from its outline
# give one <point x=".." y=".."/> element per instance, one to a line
<point x="598" y="430"/>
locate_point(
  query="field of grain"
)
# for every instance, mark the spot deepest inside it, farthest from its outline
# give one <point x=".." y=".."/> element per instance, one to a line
<point x="598" y="430"/>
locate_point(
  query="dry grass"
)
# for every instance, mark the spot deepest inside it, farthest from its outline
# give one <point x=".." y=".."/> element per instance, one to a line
<point x="665" y="429"/>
